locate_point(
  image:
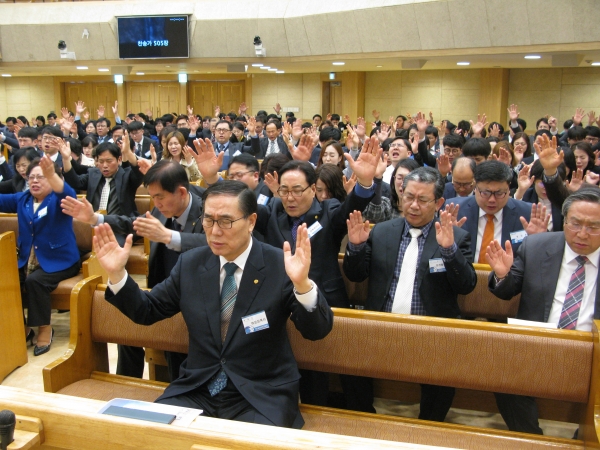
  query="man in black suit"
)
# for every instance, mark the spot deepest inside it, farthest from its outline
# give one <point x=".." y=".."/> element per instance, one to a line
<point x="173" y="227"/>
<point x="102" y="130"/>
<point x="415" y="265"/>
<point x="463" y="182"/>
<point x="223" y="144"/>
<point x="557" y="277"/>
<point x="274" y="142"/>
<point x="245" y="168"/>
<point x="141" y="144"/>
<point x="235" y="369"/>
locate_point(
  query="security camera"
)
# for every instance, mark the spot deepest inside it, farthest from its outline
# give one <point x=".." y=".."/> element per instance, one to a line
<point x="258" y="48"/>
<point x="64" y="54"/>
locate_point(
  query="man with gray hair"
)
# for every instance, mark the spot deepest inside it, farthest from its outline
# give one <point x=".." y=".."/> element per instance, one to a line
<point x="567" y="295"/>
<point x="414" y="268"/>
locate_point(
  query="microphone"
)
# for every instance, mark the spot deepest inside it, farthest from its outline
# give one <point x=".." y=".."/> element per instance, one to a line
<point x="7" y="428"/>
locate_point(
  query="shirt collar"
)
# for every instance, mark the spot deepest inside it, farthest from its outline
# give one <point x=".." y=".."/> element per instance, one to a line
<point x="240" y="261"/>
<point x="570" y="255"/>
<point x="498" y="215"/>
<point x="424" y="230"/>
<point x="182" y="219"/>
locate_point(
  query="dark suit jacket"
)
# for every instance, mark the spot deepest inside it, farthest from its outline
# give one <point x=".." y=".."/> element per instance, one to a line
<point x="438" y="291"/>
<point x="531" y="196"/>
<point x="264" y="145"/>
<point x="534" y="274"/>
<point x="12" y="186"/>
<point x="251" y="146"/>
<point x="273" y="223"/>
<point x="449" y="191"/>
<point x="146" y="141"/>
<point x="192" y="236"/>
<point x="261" y="365"/>
<point x="511" y="213"/>
<point x="127" y="181"/>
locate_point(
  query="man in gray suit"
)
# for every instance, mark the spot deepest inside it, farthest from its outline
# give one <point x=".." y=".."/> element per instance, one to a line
<point x="558" y="284"/>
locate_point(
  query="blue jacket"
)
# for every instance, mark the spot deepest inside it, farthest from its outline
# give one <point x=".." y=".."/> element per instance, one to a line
<point x="48" y="230"/>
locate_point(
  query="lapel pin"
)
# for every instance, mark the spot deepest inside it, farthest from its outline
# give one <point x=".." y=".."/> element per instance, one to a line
<point x="255" y="281"/>
<point x="316" y="217"/>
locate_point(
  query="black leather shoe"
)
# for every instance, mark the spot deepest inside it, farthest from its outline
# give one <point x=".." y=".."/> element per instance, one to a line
<point x="29" y="337"/>
<point x="37" y="350"/>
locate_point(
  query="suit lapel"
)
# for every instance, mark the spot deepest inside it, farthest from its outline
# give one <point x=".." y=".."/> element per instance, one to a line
<point x="429" y="248"/>
<point x="510" y="221"/>
<point x="251" y="282"/>
<point x="210" y="285"/>
<point x="284" y="226"/>
<point x="194" y="217"/>
<point x="472" y="215"/>
<point x="549" y="270"/>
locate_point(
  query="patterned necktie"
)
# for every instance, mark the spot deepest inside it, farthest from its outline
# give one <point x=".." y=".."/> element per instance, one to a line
<point x="138" y="149"/>
<point x="572" y="304"/>
<point x="295" y="224"/>
<point x="406" y="282"/>
<point x="105" y="194"/>
<point x="271" y="148"/>
<point x="228" y="297"/>
<point x="488" y="237"/>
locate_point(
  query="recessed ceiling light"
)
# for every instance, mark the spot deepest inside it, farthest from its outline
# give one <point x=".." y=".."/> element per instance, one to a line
<point x="280" y="71"/>
<point x="338" y="63"/>
<point x="167" y="66"/>
<point x="6" y="75"/>
<point x="81" y="67"/>
<point x="139" y="73"/>
<point x="596" y="64"/>
<point x="273" y="69"/>
<point x="463" y="63"/>
<point x="257" y="65"/>
<point x="379" y="66"/>
<point x="265" y="67"/>
<point x="532" y="56"/>
<point x="103" y="70"/>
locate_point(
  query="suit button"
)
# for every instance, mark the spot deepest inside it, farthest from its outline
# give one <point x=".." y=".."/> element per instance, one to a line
<point x="223" y="361"/>
<point x="36" y="247"/>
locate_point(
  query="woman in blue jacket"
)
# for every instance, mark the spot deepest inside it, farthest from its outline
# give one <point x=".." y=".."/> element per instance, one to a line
<point x="48" y="252"/>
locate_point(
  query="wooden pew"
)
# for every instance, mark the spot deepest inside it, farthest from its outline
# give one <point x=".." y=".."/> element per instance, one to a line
<point x="467" y="354"/>
<point x="13" y="349"/>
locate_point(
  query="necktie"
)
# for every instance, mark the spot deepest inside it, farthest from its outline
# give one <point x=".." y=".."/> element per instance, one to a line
<point x="406" y="282"/>
<point x="139" y="149"/>
<point x="175" y="225"/>
<point x="488" y="237"/>
<point x="105" y="194"/>
<point x="295" y="224"/>
<point x="572" y="305"/>
<point x="271" y="148"/>
<point x="220" y="148"/>
<point x="228" y="297"/>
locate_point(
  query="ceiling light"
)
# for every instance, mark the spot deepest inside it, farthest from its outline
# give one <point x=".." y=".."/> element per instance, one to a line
<point x="265" y="67"/>
<point x="532" y="56"/>
<point x="103" y="70"/>
<point x="273" y="69"/>
<point x="81" y="67"/>
<point x="463" y="63"/>
<point x="183" y="78"/>
<point x="6" y="75"/>
<point x="139" y="73"/>
<point x="338" y="63"/>
<point x="118" y="79"/>
<point x="257" y="65"/>
<point x="596" y="64"/>
<point x="280" y="71"/>
<point x="379" y="66"/>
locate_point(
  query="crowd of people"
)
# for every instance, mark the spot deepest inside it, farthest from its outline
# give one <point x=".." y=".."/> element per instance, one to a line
<point x="442" y="197"/>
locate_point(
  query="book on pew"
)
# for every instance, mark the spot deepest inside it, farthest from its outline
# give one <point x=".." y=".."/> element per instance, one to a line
<point x="153" y="412"/>
<point x="530" y="323"/>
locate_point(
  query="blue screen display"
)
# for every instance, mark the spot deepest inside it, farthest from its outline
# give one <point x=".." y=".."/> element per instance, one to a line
<point x="153" y="37"/>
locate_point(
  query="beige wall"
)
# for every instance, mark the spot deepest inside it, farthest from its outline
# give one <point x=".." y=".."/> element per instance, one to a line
<point x="557" y="92"/>
<point x="448" y="94"/>
<point x="29" y="97"/>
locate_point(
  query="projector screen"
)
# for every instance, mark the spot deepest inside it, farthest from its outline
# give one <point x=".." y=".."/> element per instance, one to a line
<point x="153" y="37"/>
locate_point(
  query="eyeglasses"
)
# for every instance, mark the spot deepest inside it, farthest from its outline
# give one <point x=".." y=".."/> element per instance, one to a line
<point x="409" y="199"/>
<point x="577" y="227"/>
<point x="224" y="224"/>
<point x="36" y="177"/>
<point x="238" y="175"/>
<point x="487" y="194"/>
<point x="222" y="130"/>
<point x="283" y="192"/>
<point x="453" y="151"/>
<point x="462" y="185"/>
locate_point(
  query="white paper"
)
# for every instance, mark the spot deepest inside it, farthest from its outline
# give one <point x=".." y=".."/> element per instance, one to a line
<point x="530" y="323"/>
<point x="184" y="416"/>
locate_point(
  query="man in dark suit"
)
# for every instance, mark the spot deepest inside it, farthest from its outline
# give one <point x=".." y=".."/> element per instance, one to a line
<point x="141" y="143"/>
<point x="274" y="142"/>
<point x="463" y="182"/>
<point x="245" y="168"/>
<point x="557" y="277"/>
<point x="491" y="213"/>
<point x="414" y="268"/>
<point x="223" y="131"/>
<point x="234" y="370"/>
<point x="173" y="227"/>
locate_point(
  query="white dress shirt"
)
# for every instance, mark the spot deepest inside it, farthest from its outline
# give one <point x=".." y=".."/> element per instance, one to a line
<point x="481" y="228"/>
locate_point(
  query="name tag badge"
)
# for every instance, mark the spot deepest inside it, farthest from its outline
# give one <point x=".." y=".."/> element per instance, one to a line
<point x="255" y="322"/>
<point x="42" y="212"/>
<point x="262" y="199"/>
<point x="314" y="229"/>
<point x="147" y="154"/>
<point x="237" y="152"/>
<point x="436" y="265"/>
<point x="517" y="237"/>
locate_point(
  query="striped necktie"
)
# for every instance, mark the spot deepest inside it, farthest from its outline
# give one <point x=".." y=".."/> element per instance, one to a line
<point x="572" y="304"/>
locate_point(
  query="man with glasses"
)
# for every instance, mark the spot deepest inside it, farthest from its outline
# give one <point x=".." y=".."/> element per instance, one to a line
<point x="415" y="265"/>
<point x="102" y="129"/>
<point x="223" y="131"/>
<point x="463" y="182"/>
<point x="245" y="168"/>
<point x="141" y="143"/>
<point x="491" y="213"/>
<point x="557" y="277"/>
<point x="236" y="296"/>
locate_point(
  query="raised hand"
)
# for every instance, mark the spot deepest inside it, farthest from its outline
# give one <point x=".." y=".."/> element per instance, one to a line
<point x="217" y="111"/>
<point x="251" y="126"/>
<point x="546" y="151"/>
<point x="443" y="164"/>
<point x="193" y="123"/>
<point x="552" y="122"/>
<point x="303" y="151"/>
<point x="243" y="108"/>
<point x="187" y="151"/>
<point x="382" y="166"/>
<point x="86" y="116"/>
<point x="351" y="138"/>
<point x="366" y="164"/>
<point x="505" y="157"/>
<point x="422" y="124"/>
<point x="384" y="132"/>
<point x="297" y="265"/>
<point x="347" y="119"/>
<point x="578" y="117"/>
<point x="538" y="223"/>
<point x="393" y="123"/>
<point x="151" y="228"/>
<point x="144" y="165"/>
<point x="358" y="232"/>
<point x="272" y="182"/>
<point x="453" y="209"/>
<point x="64" y="112"/>
<point x="349" y="183"/>
<point x="79" y="210"/>
<point x="376" y="114"/>
<point x="100" y="111"/>
<point x="297" y="130"/>
<point x="110" y="255"/>
<point x="79" y="108"/>
<point x="478" y="127"/>
<point x="591" y="118"/>
<point x="64" y="148"/>
<point x="207" y="161"/>
<point x="444" y="233"/>
<point x="361" y="128"/>
<point x="592" y="178"/>
<point x="495" y="130"/>
<point x="431" y="117"/>
<point x="149" y="113"/>
<point x="524" y="180"/>
<point x="576" y="181"/>
<point x="115" y="108"/>
<point x="513" y="112"/>
<point x="47" y="166"/>
<point x="277" y="108"/>
<point x="190" y="111"/>
<point x="499" y="259"/>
